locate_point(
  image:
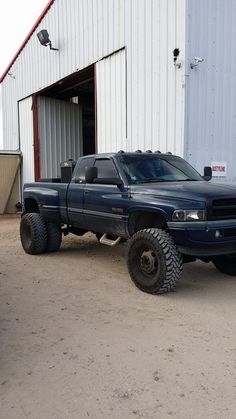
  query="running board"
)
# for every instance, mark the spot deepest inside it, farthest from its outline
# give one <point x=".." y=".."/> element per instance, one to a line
<point x="109" y="242"/>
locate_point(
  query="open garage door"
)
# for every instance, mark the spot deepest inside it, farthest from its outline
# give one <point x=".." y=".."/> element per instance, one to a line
<point x="111" y="102"/>
<point x="26" y="130"/>
<point x="60" y="134"/>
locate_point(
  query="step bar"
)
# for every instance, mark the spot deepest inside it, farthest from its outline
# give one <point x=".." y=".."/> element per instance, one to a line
<point x="104" y="240"/>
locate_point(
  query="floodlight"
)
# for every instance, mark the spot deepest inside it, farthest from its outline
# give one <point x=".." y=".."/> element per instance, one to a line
<point x="43" y="37"/>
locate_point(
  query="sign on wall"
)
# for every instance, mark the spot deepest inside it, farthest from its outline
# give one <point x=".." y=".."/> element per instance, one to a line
<point x="219" y="169"/>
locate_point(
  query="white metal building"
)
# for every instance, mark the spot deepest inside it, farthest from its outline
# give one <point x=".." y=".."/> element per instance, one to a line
<point x="113" y="83"/>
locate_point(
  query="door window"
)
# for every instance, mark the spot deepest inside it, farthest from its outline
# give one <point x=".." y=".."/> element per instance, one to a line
<point x="80" y="175"/>
<point x="106" y="168"/>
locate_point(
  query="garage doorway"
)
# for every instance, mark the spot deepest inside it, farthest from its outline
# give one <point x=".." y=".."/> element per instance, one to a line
<point x="64" y="122"/>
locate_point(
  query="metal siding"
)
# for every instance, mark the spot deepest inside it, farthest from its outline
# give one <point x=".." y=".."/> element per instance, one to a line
<point x="85" y="31"/>
<point x="111" y="102"/>
<point x="60" y="133"/>
<point x="155" y="91"/>
<point x="26" y="139"/>
<point x="9" y="183"/>
<point x="1" y="129"/>
<point x="211" y="93"/>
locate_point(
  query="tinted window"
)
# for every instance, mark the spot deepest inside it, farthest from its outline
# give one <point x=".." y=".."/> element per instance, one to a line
<point x="106" y="168"/>
<point x="80" y="175"/>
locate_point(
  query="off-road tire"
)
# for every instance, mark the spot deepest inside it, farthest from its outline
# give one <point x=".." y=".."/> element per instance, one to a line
<point x="154" y="250"/>
<point x="54" y="234"/>
<point x="33" y="233"/>
<point x="225" y="264"/>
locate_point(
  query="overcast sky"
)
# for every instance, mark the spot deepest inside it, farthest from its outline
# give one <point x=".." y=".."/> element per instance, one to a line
<point x="16" y="19"/>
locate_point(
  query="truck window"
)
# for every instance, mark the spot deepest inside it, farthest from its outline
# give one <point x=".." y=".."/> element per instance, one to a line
<point x="153" y="168"/>
<point x="80" y="175"/>
<point x="106" y="168"/>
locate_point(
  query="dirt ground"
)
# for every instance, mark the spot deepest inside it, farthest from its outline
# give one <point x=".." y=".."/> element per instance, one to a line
<point x="78" y="340"/>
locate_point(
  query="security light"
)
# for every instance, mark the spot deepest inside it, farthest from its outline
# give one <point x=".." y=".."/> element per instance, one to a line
<point x="176" y="53"/>
<point x="197" y="60"/>
<point x="44" y="40"/>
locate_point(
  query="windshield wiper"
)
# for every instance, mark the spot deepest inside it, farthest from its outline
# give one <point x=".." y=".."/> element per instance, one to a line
<point x="188" y="179"/>
<point x="150" y="180"/>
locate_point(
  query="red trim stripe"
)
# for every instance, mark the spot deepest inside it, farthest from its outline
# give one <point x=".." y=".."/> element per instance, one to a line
<point x="49" y="4"/>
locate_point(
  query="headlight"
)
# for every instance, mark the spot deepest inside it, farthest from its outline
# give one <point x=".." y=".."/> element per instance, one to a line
<point x="189" y="215"/>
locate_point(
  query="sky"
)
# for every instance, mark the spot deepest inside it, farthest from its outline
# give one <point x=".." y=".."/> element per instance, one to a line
<point x="16" y="19"/>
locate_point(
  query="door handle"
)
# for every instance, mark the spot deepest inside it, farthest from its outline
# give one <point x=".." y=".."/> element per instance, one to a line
<point x="86" y="191"/>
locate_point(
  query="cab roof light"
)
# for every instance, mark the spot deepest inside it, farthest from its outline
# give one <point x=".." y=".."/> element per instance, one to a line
<point x="158" y="151"/>
<point x="168" y="152"/>
<point x="148" y="151"/>
<point x="138" y="151"/>
<point x="121" y="151"/>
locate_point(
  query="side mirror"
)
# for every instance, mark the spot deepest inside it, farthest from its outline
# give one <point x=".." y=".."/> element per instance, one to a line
<point x="207" y="173"/>
<point x="91" y="173"/>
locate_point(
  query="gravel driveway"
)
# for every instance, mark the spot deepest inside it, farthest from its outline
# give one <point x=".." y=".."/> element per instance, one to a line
<point x="78" y="340"/>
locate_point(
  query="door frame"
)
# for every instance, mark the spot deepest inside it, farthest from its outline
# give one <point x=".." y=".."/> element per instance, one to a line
<point x="37" y="169"/>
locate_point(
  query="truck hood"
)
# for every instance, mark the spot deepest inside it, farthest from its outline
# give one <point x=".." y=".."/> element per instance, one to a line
<point x="188" y="190"/>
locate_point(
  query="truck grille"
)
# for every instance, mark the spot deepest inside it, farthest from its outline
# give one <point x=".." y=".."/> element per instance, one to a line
<point x="223" y="208"/>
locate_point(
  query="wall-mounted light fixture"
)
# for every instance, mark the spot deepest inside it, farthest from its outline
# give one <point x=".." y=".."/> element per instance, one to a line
<point x="197" y="60"/>
<point x="176" y="53"/>
<point x="44" y="40"/>
<point x="11" y="75"/>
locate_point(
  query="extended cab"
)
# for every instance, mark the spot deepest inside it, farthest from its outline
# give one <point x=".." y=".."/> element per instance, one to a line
<point x="168" y="212"/>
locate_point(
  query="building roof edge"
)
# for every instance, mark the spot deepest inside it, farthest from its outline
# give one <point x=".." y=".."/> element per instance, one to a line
<point x="45" y="10"/>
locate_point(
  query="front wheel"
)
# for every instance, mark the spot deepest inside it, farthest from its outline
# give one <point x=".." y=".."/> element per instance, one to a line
<point x="154" y="262"/>
<point x="225" y="264"/>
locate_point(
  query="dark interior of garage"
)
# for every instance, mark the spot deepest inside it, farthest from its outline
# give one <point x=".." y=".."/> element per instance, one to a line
<point x="79" y="88"/>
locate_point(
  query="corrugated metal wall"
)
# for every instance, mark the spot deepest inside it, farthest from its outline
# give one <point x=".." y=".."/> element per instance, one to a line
<point x="9" y="182"/>
<point x="85" y="31"/>
<point x="1" y="130"/>
<point x="211" y="92"/>
<point x="60" y="133"/>
<point x="155" y="95"/>
<point x="111" y="103"/>
<point x="26" y="140"/>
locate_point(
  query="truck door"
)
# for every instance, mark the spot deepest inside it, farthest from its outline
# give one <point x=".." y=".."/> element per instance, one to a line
<point x="75" y="195"/>
<point x="105" y="204"/>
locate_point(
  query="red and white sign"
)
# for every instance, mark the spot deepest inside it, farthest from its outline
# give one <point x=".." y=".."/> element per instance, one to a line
<point x="219" y="168"/>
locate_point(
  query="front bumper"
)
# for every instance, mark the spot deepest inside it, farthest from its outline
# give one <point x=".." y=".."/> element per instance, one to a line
<point x="204" y="238"/>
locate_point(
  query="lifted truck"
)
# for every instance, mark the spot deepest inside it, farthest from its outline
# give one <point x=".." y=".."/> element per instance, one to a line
<point x="167" y="211"/>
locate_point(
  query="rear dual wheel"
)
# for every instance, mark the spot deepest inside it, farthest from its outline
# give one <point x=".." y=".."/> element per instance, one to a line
<point x="38" y="235"/>
<point x="154" y="262"/>
<point x="54" y="236"/>
<point x="225" y="264"/>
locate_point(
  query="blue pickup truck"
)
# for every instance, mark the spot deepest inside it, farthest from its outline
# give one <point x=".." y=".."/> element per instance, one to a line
<point x="162" y="206"/>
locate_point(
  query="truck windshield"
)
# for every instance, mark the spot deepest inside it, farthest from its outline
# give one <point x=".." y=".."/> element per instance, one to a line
<point x="153" y="168"/>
